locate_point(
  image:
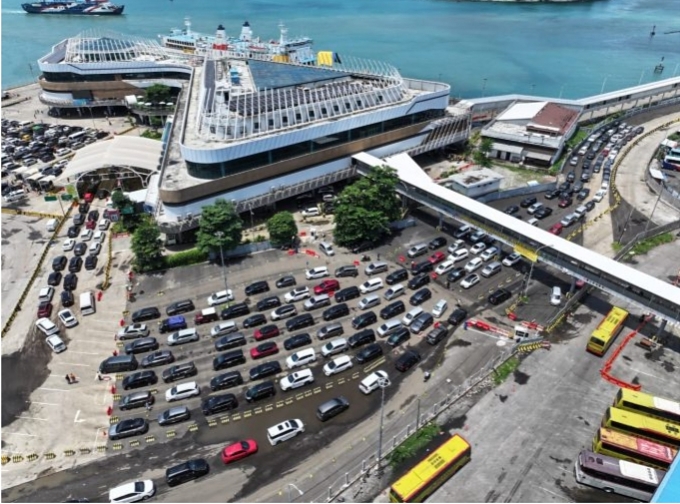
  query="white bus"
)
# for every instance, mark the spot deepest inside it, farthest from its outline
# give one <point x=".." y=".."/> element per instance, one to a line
<point x="78" y="135"/>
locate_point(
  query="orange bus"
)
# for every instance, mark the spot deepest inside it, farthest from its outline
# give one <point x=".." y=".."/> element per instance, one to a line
<point x="634" y="449"/>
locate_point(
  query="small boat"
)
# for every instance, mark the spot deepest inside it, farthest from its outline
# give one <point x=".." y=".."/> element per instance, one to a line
<point x="74" y="7"/>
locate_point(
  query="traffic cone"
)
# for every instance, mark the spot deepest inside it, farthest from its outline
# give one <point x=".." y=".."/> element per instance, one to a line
<point x="109" y="410"/>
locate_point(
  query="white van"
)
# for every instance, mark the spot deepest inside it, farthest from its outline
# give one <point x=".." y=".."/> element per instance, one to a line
<point x="87" y="306"/>
<point x="394" y="292"/>
<point x="327" y="248"/>
<point x="581" y="211"/>
<point x="284" y="431"/>
<point x="301" y="358"/>
<point x="17" y="195"/>
<point x="389" y="327"/>
<point x="369" y="302"/>
<point x="556" y="296"/>
<point x="411" y="315"/>
<point x="372" y="381"/>
<point x="52" y="225"/>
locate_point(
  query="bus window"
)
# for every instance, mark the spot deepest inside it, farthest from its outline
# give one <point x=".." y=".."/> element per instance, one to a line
<point x="634" y="449"/>
<point x="646" y="404"/>
<point x="618" y="476"/>
<point x="607" y="331"/>
<point x="667" y="433"/>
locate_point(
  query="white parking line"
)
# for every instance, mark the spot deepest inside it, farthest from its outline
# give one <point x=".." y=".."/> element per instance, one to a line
<point x="72" y="364"/>
<point x="84" y="353"/>
<point x="33" y="418"/>
<point x="18" y="434"/>
<point x="108" y="342"/>
<point x="54" y="389"/>
<point x="44" y="403"/>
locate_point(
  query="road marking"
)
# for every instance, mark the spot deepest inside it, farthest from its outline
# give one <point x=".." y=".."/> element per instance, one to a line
<point x="44" y="403"/>
<point x="72" y="363"/>
<point x="75" y="420"/>
<point x="18" y="434"/>
<point x="33" y="418"/>
<point x="54" y="389"/>
<point x="85" y="353"/>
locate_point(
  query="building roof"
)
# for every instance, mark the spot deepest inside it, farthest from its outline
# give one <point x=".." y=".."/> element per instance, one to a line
<point x="270" y="75"/>
<point x="669" y="488"/>
<point x="474" y="177"/>
<point x="521" y="111"/>
<point x="553" y="117"/>
<point x="121" y="151"/>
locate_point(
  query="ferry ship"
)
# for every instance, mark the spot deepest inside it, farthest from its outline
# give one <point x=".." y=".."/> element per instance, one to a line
<point x="76" y="7"/>
<point x="294" y="50"/>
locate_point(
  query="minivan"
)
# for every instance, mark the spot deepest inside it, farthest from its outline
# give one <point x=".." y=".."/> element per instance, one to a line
<point x="556" y="296"/>
<point x="145" y="314"/>
<point x="226" y="380"/>
<point x="361" y="338"/>
<point x="396" y="276"/>
<point x="186" y="471"/>
<point x="369" y="302"/>
<point x="229" y="359"/>
<point x="136" y="400"/>
<point x="171" y="324"/>
<point x="491" y="269"/>
<point x="417" y="250"/>
<point x="315" y="302"/>
<point x="336" y="311"/>
<point x="347" y="294"/>
<point x="394" y="292"/>
<point x="300" y="322"/>
<point x="230" y="341"/>
<point x="178" y="307"/>
<point x="260" y="391"/>
<point x="118" y="364"/>
<point x="389" y="327"/>
<point x="332" y="408"/>
<point x="301" y="358"/>
<point x="87" y="306"/>
<point x="326" y="248"/>
<point x="223" y="328"/>
<point x="378" y="267"/>
<point x="235" y="310"/>
<point x="330" y="331"/>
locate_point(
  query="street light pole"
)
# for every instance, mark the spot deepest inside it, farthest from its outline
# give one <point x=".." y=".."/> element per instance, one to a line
<point x="661" y="188"/>
<point x="383" y="383"/>
<point x="603" y="83"/>
<point x="220" y="235"/>
<point x="300" y="492"/>
<point x="531" y="269"/>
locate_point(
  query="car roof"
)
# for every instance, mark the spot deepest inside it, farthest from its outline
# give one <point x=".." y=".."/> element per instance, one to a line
<point x="185" y="386"/>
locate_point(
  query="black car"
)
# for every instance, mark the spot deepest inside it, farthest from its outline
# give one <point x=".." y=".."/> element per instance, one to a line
<point x="83" y="207"/>
<point x="347" y="293"/>
<point x="254" y="321"/>
<point x="179" y="307"/>
<point x="361" y="338"/>
<point x="347" y="271"/>
<point x="128" y="428"/>
<point x="335" y="311"/>
<point x="528" y="201"/>
<point x="93" y="215"/>
<point x="364" y="319"/>
<point x="419" y="281"/>
<point x="59" y="263"/>
<point x="219" y="403"/>
<point x="186" y="471"/>
<point x="422" y="267"/>
<point x="457" y="316"/>
<point x="140" y="379"/>
<point x="260" y="391"/>
<point x="396" y="276"/>
<point x="392" y="310"/>
<point x="370" y="353"/>
<point x="54" y="279"/>
<point x="257" y="288"/>
<point x="265" y="369"/>
<point x="399" y="336"/>
<point x="78" y="219"/>
<point x="437" y="334"/>
<point x="590" y="205"/>
<point x="297" y="341"/>
<point x="585" y="176"/>
<point x="499" y="296"/>
<point x="583" y="194"/>
<point x="456" y="274"/>
<point x="564" y="187"/>
<point x="174" y="415"/>
<point x="67" y="298"/>
<point x="141" y="345"/>
<point x="91" y="262"/>
<point x="299" y="322"/>
<point x="571" y="176"/>
<point x="552" y="194"/>
<point x="407" y="360"/>
<point x="420" y="297"/>
<point x="512" y="209"/>
<point x="75" y="264"/>
<point x="268" y="303"/>
<point x="145" y="314"/>
<point x="543" y="212"/>
<point x="179" y="371"/>
<point x="159" y="358"/>
<point x="286" y="281"/>
<point x="80" y="249"/>
<point x="70" y="282"/>
<point x="362" y="247"/>
<point x="235" y="310"/>
<point x="73" y="232"/>
<point x="226" y="380"/>
<point x="578" y="187"/>
<point x="438" y="242"/>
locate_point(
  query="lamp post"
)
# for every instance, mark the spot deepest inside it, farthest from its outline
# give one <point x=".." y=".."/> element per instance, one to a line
<point x="531" y="269"/>
<point x="383" y="383"/>
<point x="483" y="86"/>
<point x="676" y="69"/>
<point x="661" y="188"/>
<point x="641" y="76"/>
<point x="604" y="82"/>
<point x="220" y="235"/>
<point x="561" y="90"/>
<point x="300" y="492"/>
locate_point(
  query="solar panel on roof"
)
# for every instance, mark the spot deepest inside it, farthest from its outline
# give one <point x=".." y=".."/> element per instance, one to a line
<point x="269" y="75"/>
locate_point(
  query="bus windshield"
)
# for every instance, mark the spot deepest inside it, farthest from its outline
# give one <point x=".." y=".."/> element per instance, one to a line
<point x="607" y="331"/>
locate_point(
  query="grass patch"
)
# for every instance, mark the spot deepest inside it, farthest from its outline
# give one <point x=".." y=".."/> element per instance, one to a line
<point x="413" y="443"/>
<point x="616" y="246"/>
<point x="578" y="137"/>
<point x="646" y="245"/>
<point x="153" y="135"/>
<point x="675" y="137"/>
<point x="505" y="370"/>
<point x="185" y="258"/>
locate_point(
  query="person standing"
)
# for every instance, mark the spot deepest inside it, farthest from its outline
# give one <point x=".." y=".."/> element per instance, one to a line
<point x="68" y="379"/>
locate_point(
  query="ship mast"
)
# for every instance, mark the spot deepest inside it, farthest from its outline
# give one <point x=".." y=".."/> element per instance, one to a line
<point x="284" y="32"/>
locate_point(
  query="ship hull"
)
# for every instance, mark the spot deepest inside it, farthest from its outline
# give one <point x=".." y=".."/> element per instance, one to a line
<point x="84" y="10"/>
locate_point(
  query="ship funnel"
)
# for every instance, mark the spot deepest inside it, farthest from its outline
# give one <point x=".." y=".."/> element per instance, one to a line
<point x="220" y="33"/>
<point x="246" y="32"/>
<point x="187" y="26"/>
<point x="284" y="34"/>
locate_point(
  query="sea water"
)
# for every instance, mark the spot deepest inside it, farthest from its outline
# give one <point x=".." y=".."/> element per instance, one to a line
<point x="480" y="48"/>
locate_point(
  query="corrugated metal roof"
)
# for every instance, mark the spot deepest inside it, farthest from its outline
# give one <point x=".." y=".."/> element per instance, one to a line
<point x="521" y="111"/>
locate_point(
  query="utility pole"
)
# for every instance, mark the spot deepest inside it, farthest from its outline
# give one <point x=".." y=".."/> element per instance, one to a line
<point x="220" y="235"/>
<point x="383" y="383"/>
<point x="531" y="269"/>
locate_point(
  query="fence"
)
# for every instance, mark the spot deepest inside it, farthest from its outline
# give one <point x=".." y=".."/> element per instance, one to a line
<point x="668" y="195"/>
<point x="360" y="459"/>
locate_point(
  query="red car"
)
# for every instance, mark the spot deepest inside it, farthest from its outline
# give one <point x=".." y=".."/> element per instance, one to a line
<point x="437" y="257"/>
<point x="45" y="309"/>
<point x="239" y="450"/>
<point x="266" y="332"/>
<point x="556" y="229"/>
<point x="264" y="350"/>
<point x="90" y="224"/>
<point x="326" y="286"/>
<point x="565" y="202"/>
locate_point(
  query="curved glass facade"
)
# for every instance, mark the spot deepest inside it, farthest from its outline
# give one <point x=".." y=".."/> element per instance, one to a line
<point x="222" y="169"/>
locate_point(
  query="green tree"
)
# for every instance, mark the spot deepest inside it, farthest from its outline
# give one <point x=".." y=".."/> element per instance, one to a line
<point x="219" y="224"/>
<point x="486" y="146"/>
<point x="282" y="228"/>
<point x="120" y="200"/>
<point x="147" y="246"/>
<point x="157" y="93"/>
<point x="365" y="208"/>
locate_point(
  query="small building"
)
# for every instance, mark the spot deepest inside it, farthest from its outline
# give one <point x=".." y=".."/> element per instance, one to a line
<point x="475" y="182"/>
<point x="532" y="133"/>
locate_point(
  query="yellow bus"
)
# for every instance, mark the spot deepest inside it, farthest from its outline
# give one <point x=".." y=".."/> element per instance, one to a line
<point x="661" y="431"/>
<point x="430" y="473"/>
<point x="633" y="449"/>
<point x="607" y="331"/>
<point x="646" y="404"/>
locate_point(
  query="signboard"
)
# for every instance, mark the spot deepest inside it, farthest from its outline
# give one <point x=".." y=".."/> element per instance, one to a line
<point x="66" y="197"/>
<point x="50" y="198"/>
<point x="526" y="252"/>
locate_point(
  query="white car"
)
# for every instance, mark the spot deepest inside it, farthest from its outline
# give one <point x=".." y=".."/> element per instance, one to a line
<point x="297" y="294"/>
<point x="297" y="379"/>
<point x="478" y="248"/>
<point x="182" y="391"/>
<point x="411" y="316"/>
<point x="338" y="365"/>
<point x="455" y="246"/>
<point x="133" y="331"/>
<point x="67" y="318"/>
<point x="46" y="294"/>
<point x="318" y="272"/>
<point x="183" y="336"/>
<point x="439" y="308"/>
<point x="469" y="281"/>
<point x="532" y="209"/>
<point x="512" y="259"/>
<point x="103" y="224"/>
<point x="55" y="343"/>
<point x="285" y="431"/>
<point x="132" y="492"/>
<point x="283" y="312"/>
<point x="86" y="235"/>
<point x="311" y="212"/>
<point x="599" y="195"/>
<point x="99" y="236"/>
<point x="371" y="285"/>
<point x="68" y="244"/>
<point x="445" y="267"/>
<point x="372" y="381"/>
<point x="47" y="326"/>
<point x="95" y="248"/>
<point x="459" y="255"/>
<point x="489" y="253"/>
<point x="221" y="297"/>
<point x="335" y="346"/>
<point x="473" y="264"/>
